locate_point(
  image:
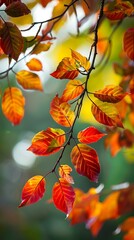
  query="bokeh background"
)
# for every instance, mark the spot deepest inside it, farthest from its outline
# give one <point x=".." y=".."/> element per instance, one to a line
<point x="42" y="221"/>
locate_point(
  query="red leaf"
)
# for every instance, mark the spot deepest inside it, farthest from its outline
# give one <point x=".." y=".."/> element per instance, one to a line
<point x="33" y="190"/>
<point x="7" y="2"/>
<point x="106" y="113"/>
<point x="86" y="161"/>
<point x="63" y="196"/>
<point x="61" y="112"/>
<point x="47" y="142"/>
<point x="128" y="43"/>
<point x="11" y="40"/>
<point x="66" y="69"/>
<point x="115" y="15"/>
<point x="13" y="105"/>
<point x="17" y="9"/>
<point x="90" y="135"/>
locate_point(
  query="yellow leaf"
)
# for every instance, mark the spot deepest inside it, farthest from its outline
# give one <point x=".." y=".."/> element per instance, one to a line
<point x="34" y="64"/>
<point x="81" y="60"/>
<point x="41" y="47"/>
<point x="13" y="105"/>
<point x="29" y="80"/>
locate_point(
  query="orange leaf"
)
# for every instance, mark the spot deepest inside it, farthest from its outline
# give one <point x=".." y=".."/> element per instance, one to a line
<point x="63" y="196"/>
<point x="64" y="172"/>
<point x="33" y="190"/>
<point x="86" y="161"/>
<point x="128" y="43"/>
<point x="115" y="14"/>
<point x="41" y="47"/>
<point x="47" y="142"/>
<point x="45" y="2"/>
<point x="129" y="235"/>
<point x="109" y="208"/>
<point x="61" y="112"/>
<point x="128" y="224"/>
<point x="81" y="60"/>
<point x="73" y="90"/>
<point x="34" y="64"/>
<point x="90" y="135"/>
<point x="11" y="40"/>
<point x="67" y="69"/>
<point x="106" y="113"/>
<point x="13" y="105"/>
<point x="110" y="93"/>
<point x="29" y="80"/>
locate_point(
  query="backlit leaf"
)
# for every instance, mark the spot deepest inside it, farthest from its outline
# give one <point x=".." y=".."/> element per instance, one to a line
<point x="81" y="60"/>
<point x="11" y="40"/>
<point x="17" y="9"/>
<point x="67" y="69"/>
<point x="61" y="112"/>
<point x="128" y="43"/>
<point x="63" y="196"/>
<point x="126" y="200"/>
<point x="29" y="80"/>
<point x="128" y="224"/>
<point x="41" y="47"/>
<point x="13" y="105"/>
<point x="86" y="161"/>
<point x="115" y="14"/>
<point x="106" y="113"/>
<point x="90" y="135"/>
<point x="33" y="190"/>
<point x="64" y="172"/>
<point x="73" y="90"/>
<point x="110" y="93"/>
<point x="34" y="64"/>
<point x="47" y="141"/>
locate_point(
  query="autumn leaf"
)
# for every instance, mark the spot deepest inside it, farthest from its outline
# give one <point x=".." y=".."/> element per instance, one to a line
<point x="126" y="200"/>
<point x="110" y="93"/>
<point x="81" y="60"/>
<point x="17" y="9"/>
<point x="67" y="69"/>
<point x="90" y="135"/>
<point x="29" y="80"/>
<point x="128" y="43"/>
<point x="86" y="161"/>
<point x="106" y="113"/>
<point x="47" y="141"/>
<point x="41" y="47"/>
<point x="127" y="225"/>
<point x="63" y="196"/>
<point x="64" y="172"/>
<point x="7" y="2"/>
<point x="33" y="190"/>
<point x="73" y="90"/>
<point x="11" y="40"/>
<point x="115" y="14"/>
<point x="61" y="112"/>
<point x="45" y="2"/>
<point x="34" y="64"/>
<point x="13" y="105"/>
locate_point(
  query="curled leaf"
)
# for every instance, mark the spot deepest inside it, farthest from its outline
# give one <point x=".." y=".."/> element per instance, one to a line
<point x="64" y="172"/>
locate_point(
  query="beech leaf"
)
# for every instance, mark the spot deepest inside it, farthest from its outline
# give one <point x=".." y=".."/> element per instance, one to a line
<point x="29" y="80"/>
<point x="128" y="43"/>
<point x="110" y="93"/>
<point x="86" y="161"/>
<point x="63" y="196"/>
<point x="61" y="112"/>
<point x="13" y="105"/>
<point x="90" y="135"/>
<point x="106" y="113"/>
<point x="64" y="172"/>
<point x="34" y="64"/>
<point x="73" y="90"/>
<point x="47" y="142"/>
<point x="33" y="190"/>
<point x="11" y="40"/>
<point x="81" y="60"/>
<point x="17" y="9"/>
